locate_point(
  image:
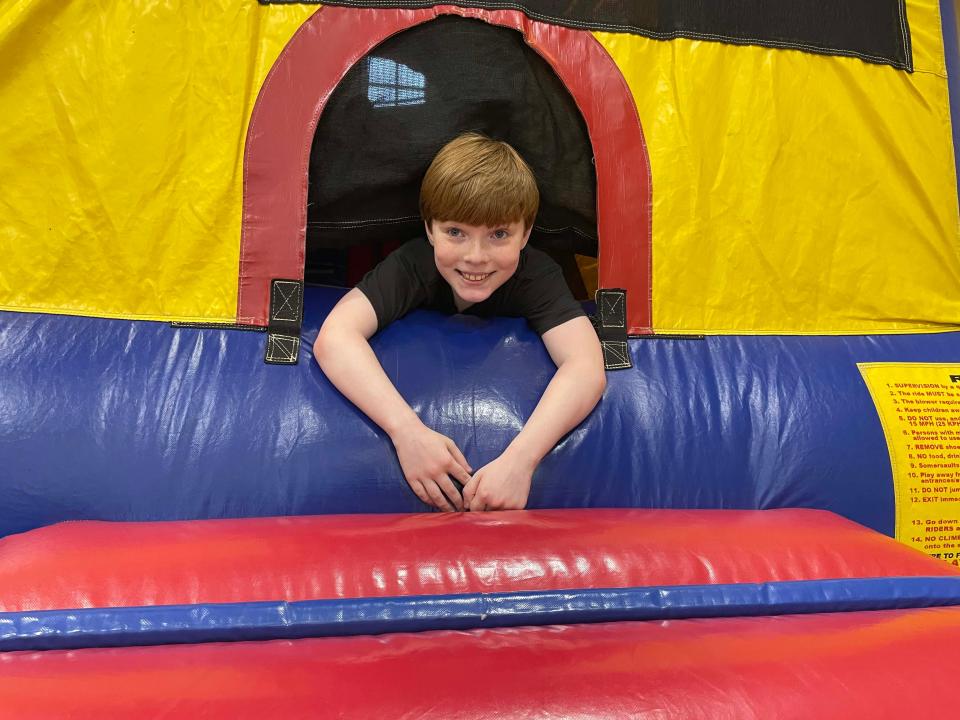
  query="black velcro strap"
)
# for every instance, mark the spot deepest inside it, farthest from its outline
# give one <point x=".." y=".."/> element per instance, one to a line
<point x="286" y="319"/>
<point x="282" y="349"/>
<point x="611" y="326"/>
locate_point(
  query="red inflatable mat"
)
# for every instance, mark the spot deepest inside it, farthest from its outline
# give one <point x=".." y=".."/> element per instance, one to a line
<point x="97" y="564"/>
<point x="887" y="664"/>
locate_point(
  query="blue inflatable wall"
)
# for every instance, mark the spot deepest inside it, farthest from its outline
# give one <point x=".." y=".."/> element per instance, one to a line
<point x="119" y="420"/>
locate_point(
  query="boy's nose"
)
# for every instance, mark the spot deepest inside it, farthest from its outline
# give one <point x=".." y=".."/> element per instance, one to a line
<point x="475" y="253"/>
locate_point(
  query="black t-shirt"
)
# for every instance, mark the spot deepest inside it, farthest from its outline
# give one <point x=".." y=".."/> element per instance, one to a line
<point x="408" y="278"/>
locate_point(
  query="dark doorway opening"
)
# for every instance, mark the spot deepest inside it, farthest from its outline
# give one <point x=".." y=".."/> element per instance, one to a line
<point x="398" y="105"/>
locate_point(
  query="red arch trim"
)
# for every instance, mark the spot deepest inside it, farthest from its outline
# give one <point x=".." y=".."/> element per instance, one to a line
<point x="325" y="47"/>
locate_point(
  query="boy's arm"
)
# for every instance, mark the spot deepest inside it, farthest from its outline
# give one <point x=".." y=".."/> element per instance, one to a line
<point x="574" y="391"/>
<point x="426" y="457"/>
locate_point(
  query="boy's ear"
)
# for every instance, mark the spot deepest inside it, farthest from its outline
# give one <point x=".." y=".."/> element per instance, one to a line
<point x="426" y="226"/>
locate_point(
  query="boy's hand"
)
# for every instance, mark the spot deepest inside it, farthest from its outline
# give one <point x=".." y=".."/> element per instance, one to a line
<point x="428" y="459"/>
<point x="503" y="484"/>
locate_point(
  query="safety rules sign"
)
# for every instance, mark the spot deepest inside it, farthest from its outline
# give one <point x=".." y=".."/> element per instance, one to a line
<point x="919" y="407"/>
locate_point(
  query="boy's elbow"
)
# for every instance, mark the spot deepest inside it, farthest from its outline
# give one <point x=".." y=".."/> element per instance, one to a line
<point x="335" y="339"/>
<point x="591" y="378"/>
<point x="324" y="342"/>
<point x="597" y="370"/>
<point x="599" y="382"/>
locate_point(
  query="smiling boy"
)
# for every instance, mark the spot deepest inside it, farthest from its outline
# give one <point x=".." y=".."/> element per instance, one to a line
<point x="478" y="201"/>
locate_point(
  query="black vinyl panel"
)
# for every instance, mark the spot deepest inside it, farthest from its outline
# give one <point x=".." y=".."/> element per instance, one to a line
<point x="873" y="30"/>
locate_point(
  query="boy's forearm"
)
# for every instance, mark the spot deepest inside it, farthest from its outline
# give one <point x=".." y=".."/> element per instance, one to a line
<point x="349" y="362"/>
<point x="573" y="392"/>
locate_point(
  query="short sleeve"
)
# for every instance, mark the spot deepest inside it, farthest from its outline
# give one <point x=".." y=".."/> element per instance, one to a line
<point x="397" y="284"/>
<point x="544" y="297"/>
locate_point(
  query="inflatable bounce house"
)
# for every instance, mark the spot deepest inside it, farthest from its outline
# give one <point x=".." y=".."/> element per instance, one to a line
<point x="760" y="519"/>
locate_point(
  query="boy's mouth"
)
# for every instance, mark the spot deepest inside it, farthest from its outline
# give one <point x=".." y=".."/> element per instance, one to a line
<point x="474" y="277"/>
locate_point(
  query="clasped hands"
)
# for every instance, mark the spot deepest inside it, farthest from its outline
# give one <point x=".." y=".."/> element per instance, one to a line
<point x="429" y="460"/>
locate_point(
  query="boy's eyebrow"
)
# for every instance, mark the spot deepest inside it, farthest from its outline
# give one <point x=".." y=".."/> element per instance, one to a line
<point x="497" y="226"/>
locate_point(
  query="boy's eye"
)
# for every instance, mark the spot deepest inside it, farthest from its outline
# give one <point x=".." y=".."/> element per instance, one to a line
<point x="500" y="234"/>
<point x="454" y="232"/>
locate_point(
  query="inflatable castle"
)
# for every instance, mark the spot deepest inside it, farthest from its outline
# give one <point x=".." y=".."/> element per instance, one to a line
<point x="757" y="201"/>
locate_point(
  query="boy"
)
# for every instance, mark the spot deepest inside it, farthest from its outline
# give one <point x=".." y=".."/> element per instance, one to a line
<point x="478" y="201"/>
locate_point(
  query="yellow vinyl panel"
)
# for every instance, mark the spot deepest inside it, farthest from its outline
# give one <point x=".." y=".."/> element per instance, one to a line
<point x="123" y="130"/>
<point x="792" y="192"/>
<point x="795" y="192"/>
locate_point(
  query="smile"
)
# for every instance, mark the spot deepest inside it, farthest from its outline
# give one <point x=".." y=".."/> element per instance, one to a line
<point x="474" y="277"/>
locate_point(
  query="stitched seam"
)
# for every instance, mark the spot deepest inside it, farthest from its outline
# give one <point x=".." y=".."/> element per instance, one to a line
<point x="320" y="224"/>
<point x="192" y="325"/>
<point x="934" y="73"/>
<point x="567" y="228"/>
<point x="907" y="46"/>
<point x="358" y="222"/>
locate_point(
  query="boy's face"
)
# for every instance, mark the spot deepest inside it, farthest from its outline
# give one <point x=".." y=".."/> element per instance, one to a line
<point x="476" y="260"/>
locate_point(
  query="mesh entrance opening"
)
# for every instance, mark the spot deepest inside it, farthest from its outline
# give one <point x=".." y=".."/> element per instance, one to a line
<point x="400" y="104"/>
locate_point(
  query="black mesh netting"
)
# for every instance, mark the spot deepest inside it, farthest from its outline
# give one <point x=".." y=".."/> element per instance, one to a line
<point x="399" y="105"/>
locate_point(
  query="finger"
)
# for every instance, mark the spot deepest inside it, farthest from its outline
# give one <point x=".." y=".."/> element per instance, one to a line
<point x="478" y="504"/>
<point x="420" y="492"/>
<point x="456" y="469"/>
<point x="450" y="490"/>
<point x="469" y="490"/>
<point x="439" y="501"/>
<point x="458" y="456"/>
